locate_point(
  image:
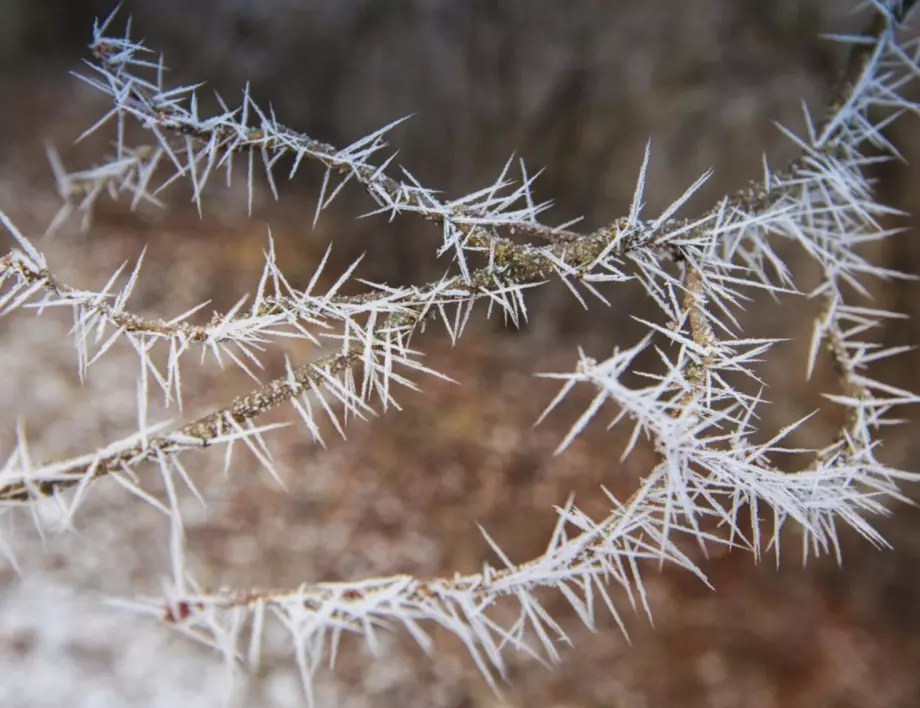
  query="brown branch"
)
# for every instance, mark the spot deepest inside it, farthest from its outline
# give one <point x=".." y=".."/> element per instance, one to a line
<point x="204" y="430"/>
<point x="128" y="321"/>
<point x="515" y="264"/>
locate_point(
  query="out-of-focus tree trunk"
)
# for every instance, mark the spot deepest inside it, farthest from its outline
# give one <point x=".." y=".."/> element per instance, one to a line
<point x="35" y="29"/>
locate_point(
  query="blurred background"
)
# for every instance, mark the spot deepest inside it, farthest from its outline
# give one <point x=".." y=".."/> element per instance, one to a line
<point x="577" y="87"/>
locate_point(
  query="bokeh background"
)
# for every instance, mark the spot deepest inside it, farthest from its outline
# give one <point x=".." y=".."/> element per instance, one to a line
<point x="577" y="87"/>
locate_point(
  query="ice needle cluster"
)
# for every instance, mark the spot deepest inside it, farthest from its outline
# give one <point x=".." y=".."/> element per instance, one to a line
<point x="703" y="425"/>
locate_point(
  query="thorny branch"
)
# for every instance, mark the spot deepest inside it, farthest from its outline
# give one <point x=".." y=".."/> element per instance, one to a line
<point x="709" y="467"/>
<point x="211" y="428"/>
